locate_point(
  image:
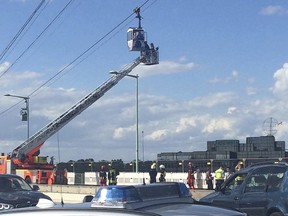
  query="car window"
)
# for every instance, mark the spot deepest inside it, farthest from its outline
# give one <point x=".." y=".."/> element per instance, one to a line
<point x="9" y="184"/>
<point x="235" y="181"/>
<point x="265" y="179"/>
<point x="273" y="182"/>
<point x="19" y="184"/>
<point x="256" y="183"/>
<point x="6" y="185"/>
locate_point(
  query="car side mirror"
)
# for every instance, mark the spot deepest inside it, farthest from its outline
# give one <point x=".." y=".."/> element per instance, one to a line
<point x="35" y="188"/>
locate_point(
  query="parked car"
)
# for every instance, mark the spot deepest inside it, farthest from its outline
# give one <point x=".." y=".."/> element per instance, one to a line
<point x="16" y="193"/>
<point x="259" y="190"/>
<point x="152" y="199"/>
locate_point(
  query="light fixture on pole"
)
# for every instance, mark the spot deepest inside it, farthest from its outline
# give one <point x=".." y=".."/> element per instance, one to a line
<point x="137" y="118"/>
<point x="24" y="111"/>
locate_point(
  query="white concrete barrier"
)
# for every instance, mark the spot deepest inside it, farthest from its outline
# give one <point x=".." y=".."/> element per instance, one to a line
<point x="130" y="178"/>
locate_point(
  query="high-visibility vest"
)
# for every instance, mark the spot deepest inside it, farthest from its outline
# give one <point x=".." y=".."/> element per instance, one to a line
<point x="219" y="174"/>
<point x="112" y="176"/>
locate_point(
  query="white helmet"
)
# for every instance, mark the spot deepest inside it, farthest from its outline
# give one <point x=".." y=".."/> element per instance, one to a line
<point x="162" y="166"/>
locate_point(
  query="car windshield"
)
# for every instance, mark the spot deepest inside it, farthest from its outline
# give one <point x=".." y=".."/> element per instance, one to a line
<point x="8" y="184"/>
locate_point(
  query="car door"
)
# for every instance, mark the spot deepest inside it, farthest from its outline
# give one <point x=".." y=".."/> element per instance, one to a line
<point x="231" y="192"/>
<point x="254" y="198"/>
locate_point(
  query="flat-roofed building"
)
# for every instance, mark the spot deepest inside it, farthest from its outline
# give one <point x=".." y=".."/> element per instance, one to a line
<point x="228" y="153"/>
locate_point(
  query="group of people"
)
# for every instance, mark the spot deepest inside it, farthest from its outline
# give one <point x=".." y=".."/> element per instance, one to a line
<point x="113" y="173"/>
<point x="220" y="175"/>
<point x="153" y="173"/>
<point x="112" y="176"/>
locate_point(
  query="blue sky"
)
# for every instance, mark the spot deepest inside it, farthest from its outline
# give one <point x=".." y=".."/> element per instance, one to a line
<point x="223" y="71"/>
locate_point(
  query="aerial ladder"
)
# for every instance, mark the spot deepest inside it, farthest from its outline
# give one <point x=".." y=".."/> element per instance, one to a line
<point x="25" y="158"/>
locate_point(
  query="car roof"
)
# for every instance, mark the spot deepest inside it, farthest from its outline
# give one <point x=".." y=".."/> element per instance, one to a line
<point x="269" y="163"/>
<point x="260" y="165"/>
<point x="158" y="209"/>
<point x="9" y="175"/>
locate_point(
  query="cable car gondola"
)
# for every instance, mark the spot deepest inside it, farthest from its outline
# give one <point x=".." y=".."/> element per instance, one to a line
<point x="136" y="39"/>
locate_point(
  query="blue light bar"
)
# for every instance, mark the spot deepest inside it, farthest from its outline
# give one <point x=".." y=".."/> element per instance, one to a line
<point x="115" y="196"/>
<point x="137" y="196"/>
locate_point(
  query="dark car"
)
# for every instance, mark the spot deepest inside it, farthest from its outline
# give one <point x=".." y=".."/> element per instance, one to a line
<point x="152" y="199"/>
<point x="16" y="193"/>
<point x="259" y="190"/>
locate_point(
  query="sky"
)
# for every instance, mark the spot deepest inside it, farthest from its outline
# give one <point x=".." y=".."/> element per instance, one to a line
<point x="223" y="74"/>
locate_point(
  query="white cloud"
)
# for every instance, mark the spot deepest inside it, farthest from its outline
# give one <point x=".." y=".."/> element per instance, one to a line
<point x="217" y="124"/>
<point x="251" y="90"/>
<point x="121" y="132"/>
<point x="213" y="99"/>
<point x="184" y="123"/>
<point x="232" y="78"/>
<point x="27" y="81"/>
<point x="272" y="10"/>
<point x="157" y="135"/>
<point x="231" y="110"/>
<point x="281" y="81"/>
<point x="165" y="67"/>
<point x="4" y="66"/>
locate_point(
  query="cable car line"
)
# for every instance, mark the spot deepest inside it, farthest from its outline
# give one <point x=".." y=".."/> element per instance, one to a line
<point x="26" y="30"/>
<point x="124" y="26"/>
<point x="83" y="53"/>
<point x="3" y="53"/>
<point x="10" y="108"/>
<point x="35" y="40"/>
<point x="33" y="93"/>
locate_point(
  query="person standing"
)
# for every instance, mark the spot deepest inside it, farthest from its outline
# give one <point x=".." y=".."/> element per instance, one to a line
<point x="153" y="173"/>
<point x="239" y="166"/>
<point x="191" y="177"/>
<point x="103" y="176"/>
<point x="198" y="178"/>
<point x="228" y="173"/>
<point x="162" y="173"/>
<point x="209" y="179"/>
<point x="219" y="177"/>
<point x="112" y="176"/>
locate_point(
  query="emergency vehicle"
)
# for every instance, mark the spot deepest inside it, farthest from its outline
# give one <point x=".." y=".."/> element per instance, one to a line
<point x="25" y="160"/>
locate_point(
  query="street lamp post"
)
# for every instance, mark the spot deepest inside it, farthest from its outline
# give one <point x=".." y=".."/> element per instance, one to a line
<point x="137" y="118"/>
<point x="24" y="112"/>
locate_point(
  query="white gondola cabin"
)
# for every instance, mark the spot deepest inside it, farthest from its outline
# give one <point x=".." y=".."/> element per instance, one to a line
<point x="136" y="39"/>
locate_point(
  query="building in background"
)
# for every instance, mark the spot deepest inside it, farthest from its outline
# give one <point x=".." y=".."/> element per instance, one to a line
<point x="226" y="153"/>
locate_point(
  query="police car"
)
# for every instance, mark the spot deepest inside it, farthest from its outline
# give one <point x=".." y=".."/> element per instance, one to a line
<point x="151" y="199"/>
